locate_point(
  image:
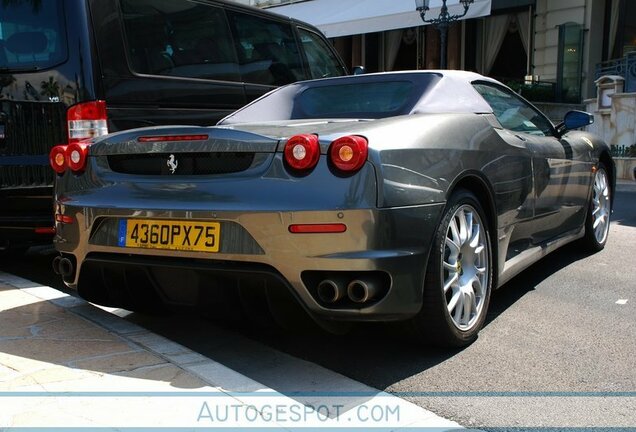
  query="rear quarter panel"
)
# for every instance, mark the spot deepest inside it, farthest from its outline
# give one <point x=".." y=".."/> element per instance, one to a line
<point x="420" y="158"/>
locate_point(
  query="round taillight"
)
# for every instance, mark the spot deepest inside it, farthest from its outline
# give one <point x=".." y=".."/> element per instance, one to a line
<point x="302" y="152"/>
<point x="57" y="159"/>
<point x="76" y="154"/>
<point x="349" y="153"/>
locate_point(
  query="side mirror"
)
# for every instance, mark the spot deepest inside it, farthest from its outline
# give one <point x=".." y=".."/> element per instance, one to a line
<point x="359" y="70"/>
<point x="575" y="120"/>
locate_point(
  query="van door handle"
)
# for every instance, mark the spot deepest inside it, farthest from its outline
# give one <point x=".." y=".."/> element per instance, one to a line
<point x="521" y="138"/>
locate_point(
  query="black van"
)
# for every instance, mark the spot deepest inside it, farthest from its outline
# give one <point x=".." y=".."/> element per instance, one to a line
<point x="72" y="69"/>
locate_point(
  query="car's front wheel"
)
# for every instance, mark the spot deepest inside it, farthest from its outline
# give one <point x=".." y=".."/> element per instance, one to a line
<point x="459" y="276"/>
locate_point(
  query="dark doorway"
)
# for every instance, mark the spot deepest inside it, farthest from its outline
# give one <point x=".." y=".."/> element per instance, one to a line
<point x="407" y="55"/>
<point x="511" y="62"/>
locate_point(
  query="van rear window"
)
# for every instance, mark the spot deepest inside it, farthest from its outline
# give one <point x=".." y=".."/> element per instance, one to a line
<point x="179" y="38"/>
<point x="190" y="39"/>
<point x="32" y="35"/>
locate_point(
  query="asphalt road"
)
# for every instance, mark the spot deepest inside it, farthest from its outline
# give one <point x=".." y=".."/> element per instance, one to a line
<point x="558" y="350"/>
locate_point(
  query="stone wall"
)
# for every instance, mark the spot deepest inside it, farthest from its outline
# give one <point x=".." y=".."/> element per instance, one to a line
<point x="556" y="111"/>
<point x="549" y="15"/>
<point x="617" y="126"/>
<point x="625" y="168"/>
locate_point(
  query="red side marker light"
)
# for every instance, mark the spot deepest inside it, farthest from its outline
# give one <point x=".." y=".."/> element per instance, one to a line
<point x="334" y="228"/>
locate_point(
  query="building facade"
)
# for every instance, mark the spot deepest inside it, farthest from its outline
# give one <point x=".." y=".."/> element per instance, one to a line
<point x="549" y="49"/>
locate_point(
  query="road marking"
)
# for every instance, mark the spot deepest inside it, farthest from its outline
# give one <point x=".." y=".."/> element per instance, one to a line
<point x="621" y="302"/>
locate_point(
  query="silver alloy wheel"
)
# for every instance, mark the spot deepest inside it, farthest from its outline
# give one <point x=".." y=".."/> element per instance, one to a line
<point x="601" y="206"/>
<point x="465" y="267"/>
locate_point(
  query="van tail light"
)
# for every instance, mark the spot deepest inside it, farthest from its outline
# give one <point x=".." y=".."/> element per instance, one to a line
<point x="349" y="153"/>
<point x="86" y="120"/>
<point x="57" y="158"/>
<point x="302" y="152"/>
<point x="76" y="156"/>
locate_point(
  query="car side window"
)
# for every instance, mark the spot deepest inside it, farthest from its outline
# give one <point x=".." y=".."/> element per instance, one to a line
<point x="513" y="112"/>
<point x="179" y="38"/>
<point x="267" y="50"/>
<point x="321" y="60"/>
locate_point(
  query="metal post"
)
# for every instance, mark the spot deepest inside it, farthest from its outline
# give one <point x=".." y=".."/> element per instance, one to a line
<point x="443" y="42"/>
<point x="442" y="23"/>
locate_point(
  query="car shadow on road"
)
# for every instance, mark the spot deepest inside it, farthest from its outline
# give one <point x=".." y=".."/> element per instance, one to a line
<point x="378" y="355"/>
<point x="512" y="291"/>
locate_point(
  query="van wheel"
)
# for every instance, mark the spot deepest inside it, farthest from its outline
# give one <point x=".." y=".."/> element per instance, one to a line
<point x="459" y="276"/>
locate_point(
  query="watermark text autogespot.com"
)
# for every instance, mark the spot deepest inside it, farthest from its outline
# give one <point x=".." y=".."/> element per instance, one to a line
<point x="297" y="413"/>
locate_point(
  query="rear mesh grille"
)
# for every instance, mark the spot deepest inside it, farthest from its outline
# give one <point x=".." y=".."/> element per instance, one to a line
<point x="30" y="129"/>
<point x="186" y="163"/>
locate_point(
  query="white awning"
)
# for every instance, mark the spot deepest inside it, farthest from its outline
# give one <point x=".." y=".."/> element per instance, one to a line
<point x="348" y="17"/>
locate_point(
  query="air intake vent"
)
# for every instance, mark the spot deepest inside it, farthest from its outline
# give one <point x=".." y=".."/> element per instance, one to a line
<point x="181" y="163"/>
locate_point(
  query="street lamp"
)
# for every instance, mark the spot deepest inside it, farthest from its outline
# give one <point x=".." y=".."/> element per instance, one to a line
<point x="442" y="22"/>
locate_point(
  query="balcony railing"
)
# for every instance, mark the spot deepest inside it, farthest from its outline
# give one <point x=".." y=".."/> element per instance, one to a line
<point x="623" y="151"/>
<point x="625" y="67"/>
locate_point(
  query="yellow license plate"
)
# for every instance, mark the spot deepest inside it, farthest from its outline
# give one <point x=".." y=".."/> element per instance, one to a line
<point x="170" y="234"/>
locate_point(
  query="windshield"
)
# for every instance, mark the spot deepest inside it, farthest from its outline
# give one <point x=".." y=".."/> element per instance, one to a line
<point x="32" y="35"/>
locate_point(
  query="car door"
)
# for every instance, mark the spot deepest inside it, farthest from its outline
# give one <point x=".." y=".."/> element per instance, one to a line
<point x="560" y="173"/>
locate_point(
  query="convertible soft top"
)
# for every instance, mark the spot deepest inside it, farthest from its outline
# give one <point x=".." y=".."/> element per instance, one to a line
<point x="368" y="96"/>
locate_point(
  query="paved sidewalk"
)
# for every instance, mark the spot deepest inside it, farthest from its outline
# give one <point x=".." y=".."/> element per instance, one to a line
<point x="66" y="363"/>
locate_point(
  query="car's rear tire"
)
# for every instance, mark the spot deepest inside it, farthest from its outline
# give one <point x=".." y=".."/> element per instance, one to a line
<point x="458" y="277"/>
<point x="597" y="222"/>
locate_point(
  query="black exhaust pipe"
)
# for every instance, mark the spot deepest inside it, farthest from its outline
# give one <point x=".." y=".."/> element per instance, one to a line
<point x="66" y="267"/>
<point x="56" y="265"/>
<point x="361" y="291"/>
<point x="330" y="290"/>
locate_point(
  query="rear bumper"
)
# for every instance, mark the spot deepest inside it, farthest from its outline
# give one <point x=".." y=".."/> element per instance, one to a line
<point x="26" y="216"/>
<point x="387" y="246"/>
